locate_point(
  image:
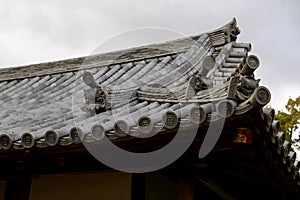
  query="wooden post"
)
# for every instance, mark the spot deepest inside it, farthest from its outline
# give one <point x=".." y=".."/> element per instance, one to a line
<point x="185" y="187"/>
<point x="10" y="189"/>
<point x="18" y="189"/>
<point x="138" y="186"/>
<point x="23" y="188"/>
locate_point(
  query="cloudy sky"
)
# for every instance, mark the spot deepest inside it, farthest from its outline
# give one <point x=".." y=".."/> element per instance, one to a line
<point x="35" y="31"/>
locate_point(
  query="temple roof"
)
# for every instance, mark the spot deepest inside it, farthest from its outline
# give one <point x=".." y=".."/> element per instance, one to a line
<point x="186" y="82"/>
<point x="37" y="101"/>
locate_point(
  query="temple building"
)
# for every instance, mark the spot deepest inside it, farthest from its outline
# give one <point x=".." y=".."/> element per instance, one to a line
<point x="180" y="120"/>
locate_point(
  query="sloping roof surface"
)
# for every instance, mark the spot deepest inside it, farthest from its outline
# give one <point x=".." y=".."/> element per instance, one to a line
<point x="37" y="100"/>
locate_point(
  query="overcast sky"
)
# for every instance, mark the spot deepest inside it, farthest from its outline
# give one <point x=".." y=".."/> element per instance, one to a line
<point x="36" y="31"/>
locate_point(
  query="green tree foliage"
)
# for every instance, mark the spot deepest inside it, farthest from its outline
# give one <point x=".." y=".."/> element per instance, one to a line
<point x="290" y="120"/>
